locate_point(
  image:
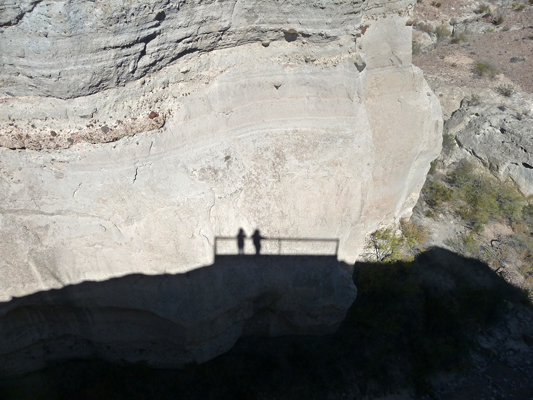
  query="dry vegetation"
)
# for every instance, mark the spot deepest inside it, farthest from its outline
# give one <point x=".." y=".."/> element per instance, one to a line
<point x="478" y="198"/>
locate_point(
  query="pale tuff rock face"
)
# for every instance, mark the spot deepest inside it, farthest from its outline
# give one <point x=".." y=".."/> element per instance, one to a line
<point x="75" y="48"/>
<point x="329" y="135"/>
<point x="300" y="118"/>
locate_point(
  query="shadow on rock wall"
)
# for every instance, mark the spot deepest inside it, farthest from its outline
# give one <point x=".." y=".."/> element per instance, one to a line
<point x="172" y="320"/>
<point x="410" y="320"/>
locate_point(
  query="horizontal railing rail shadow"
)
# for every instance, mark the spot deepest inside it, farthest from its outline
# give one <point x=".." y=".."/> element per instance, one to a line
<point x="228" y="245"/>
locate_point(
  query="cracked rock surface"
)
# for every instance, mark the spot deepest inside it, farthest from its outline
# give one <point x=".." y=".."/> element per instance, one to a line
<point x="498" y="133"/>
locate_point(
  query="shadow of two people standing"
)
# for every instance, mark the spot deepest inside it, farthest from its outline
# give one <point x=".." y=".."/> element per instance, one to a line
<point x="256" y="239"/>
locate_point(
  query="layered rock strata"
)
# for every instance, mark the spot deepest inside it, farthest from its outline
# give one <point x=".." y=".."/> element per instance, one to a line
<point x="134" y="136"/>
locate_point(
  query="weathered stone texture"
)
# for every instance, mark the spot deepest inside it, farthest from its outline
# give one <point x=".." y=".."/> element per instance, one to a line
<point x="328" y="135"/>
<point x="74" y="48"/>
<point x="498" y="133"/>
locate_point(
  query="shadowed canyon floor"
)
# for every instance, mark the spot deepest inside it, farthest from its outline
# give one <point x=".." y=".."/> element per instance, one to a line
<point x="171" y="320"/>
<point x="437" y="324"/>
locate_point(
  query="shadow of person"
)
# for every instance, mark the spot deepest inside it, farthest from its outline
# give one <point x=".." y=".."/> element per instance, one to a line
<point x="240" y="240"/>
<point x="256" y="237"/>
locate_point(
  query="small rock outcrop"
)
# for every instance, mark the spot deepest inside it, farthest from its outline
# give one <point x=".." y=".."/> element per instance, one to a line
<point x="499" y="135"/>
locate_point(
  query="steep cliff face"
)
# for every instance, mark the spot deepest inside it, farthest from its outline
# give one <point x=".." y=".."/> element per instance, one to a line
<point x="74" y="48"/>
<point x="134" y="133"/>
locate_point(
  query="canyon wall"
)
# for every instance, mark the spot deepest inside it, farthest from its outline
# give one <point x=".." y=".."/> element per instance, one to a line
<point x="133" y="133"/>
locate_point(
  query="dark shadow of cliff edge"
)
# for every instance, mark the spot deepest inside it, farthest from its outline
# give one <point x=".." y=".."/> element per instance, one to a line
<point x="410" y="321"/>
<point x="171" y="320"/>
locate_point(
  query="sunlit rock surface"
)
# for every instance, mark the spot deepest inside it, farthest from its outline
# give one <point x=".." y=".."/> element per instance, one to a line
<point x="498" y="134"/>
<point x="133" y="136"/>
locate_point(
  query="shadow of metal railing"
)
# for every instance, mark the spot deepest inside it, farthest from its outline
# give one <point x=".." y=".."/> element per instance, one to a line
<point x="228" y="245"/>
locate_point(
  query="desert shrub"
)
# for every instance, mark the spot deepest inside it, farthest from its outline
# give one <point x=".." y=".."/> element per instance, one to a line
<point x="433" y="167"/>
<point x="499" y="19"/>
<point x="461" y="37"/>
<point x="391" y="244"/>
<point x="474" y="100"/>
<point x="437" y="4"/>
<point x="383" y="245"/>
<point x="482" y="9"/>
<point x="442" y="32"/>
<point x="436" y="194"/>
<point x="511" y="202"/>
<point x="414" y="235"/>
<point x="477" y="202"/>
<point x="448" y="143"/>
<point x="479" y="197"/>
<point x="424" y="27"/>
<point x="417" y="47"/>
<point x="485" y="69"/>
<point x="527" y="214"/>
<point x="476" y="198"/>
<point x="469" y="244"/>
<point x="505" y="90"/>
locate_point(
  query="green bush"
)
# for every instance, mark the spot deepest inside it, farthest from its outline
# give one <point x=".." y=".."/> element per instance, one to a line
<point x="414" y="235"/>
<point x="448" y="143"/>
<point x="477" y="198"/>
<point x="384" y="245"/>
<point x="477" y="202"/>
<point x="424" y="27"/>
<point x="498" y="20"/>
<point x="461" y="37"/>
<point x="417" y="47"/>
<point x="436" y="194"/>
<point x="485" y="69"/>
<point x="482" y="9"/>
<point x="392" y="244"/>
<point x="442" y="32"/>
<point x="511" y="202"/>
<point x="506" y="90"/>
<point x="480" y="197"/>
